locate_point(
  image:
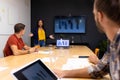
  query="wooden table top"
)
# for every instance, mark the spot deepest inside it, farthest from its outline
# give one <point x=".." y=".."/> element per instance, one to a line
<point x="14" y="62"/>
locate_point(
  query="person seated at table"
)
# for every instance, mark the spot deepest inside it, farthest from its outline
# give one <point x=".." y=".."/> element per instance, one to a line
<point x="107" y="17"/>
<point x="15" y="44"/>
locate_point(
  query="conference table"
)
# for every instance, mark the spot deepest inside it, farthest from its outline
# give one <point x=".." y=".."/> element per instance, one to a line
<point x="52" y="58"/>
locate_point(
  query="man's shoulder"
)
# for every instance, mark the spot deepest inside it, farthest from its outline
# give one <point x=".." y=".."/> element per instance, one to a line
<point x="12" y="37"/>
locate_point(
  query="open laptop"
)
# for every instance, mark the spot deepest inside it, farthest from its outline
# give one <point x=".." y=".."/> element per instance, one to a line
<point x="62" y="43"/>
<point x="35" y="70"/>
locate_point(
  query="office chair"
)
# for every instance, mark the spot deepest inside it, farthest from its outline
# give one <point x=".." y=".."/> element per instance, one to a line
<point x="97" y="51"/>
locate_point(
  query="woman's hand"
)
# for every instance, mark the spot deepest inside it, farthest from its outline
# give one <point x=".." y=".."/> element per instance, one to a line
<point x="31" y="35"/>
<point x="51" y="37"/>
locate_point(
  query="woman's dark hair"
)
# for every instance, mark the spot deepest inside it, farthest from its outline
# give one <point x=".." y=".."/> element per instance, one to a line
<point x="111" y="8"/>
<point x="42" y="22"/>
<point x="18" y="27"/>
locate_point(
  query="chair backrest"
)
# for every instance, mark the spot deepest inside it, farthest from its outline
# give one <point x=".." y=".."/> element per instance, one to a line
<point x="97" y="51"/>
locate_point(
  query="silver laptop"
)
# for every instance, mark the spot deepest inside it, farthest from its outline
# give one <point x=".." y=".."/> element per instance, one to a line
<point x="35" y="70"/>
<point x="62" y="43"/>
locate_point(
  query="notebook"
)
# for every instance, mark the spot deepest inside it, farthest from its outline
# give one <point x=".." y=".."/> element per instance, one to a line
<point x="62" y="43"/>
<point x="35" y="70"/>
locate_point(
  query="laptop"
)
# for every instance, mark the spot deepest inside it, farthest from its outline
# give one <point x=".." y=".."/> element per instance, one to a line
<point x="35" y="70"/>
<point x="62" y="43"/>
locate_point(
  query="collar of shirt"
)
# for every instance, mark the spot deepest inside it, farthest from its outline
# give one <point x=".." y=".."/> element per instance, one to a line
<point x="115" y="43"/>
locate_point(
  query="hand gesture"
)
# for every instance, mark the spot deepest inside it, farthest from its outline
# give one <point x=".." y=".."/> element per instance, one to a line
<point x="51" y="37"/>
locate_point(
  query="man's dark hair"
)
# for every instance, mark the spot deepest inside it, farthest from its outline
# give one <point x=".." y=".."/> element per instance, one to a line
<point x="111" y="8"/>
<point x="18" y="27"/>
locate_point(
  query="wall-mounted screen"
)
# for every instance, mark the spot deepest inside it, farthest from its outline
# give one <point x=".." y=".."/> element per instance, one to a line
<point x="70" y="24"/>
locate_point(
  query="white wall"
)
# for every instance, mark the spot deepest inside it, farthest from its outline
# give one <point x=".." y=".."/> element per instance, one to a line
<point x="12" y="12"/>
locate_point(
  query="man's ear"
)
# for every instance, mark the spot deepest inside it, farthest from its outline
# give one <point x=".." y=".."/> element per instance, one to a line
<point x="100" y="16"/>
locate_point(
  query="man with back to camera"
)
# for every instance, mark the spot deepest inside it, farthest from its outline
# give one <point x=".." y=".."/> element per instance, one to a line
<point x="15" y="44"/>
<point x="107" y="17"/>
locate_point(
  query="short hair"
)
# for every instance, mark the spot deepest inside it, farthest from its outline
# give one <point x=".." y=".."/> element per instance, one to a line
<point x="111" y="8"/>
<point x="18" y="27"/>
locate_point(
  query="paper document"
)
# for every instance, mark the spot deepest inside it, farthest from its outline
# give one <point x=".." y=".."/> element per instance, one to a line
<point x="3" y="68"/>
<point x="76" y="63"/>
<point x="45" y="52"/>
<point x="49" y="59"/>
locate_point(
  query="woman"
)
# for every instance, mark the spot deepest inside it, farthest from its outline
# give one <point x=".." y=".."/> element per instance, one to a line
<point x="39" y="34"/>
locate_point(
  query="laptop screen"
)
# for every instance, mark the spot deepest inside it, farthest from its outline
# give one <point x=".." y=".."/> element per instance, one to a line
<point x="62" y="43"/>
<point x="35" y="71"/>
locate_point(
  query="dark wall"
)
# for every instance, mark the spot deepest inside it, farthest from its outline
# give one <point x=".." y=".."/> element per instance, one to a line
<point x="48" y="9"/>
